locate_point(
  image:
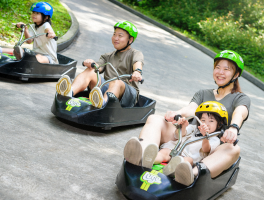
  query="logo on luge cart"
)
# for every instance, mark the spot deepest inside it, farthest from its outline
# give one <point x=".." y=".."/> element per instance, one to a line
<point x="72" y="103"/>
<point x="149" y="178"/>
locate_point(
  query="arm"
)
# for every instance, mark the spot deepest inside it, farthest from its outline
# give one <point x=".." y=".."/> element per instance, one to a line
<point x="50" y="32"/>
<point x="184" y="112"/>
<point x="26" y="33"/>
<point x="239" y="115"/>
<point x="206" y="147"/>
<point x="6" y="50"/>
<point x="88" y="63"/>
<point x="136" y="76"/>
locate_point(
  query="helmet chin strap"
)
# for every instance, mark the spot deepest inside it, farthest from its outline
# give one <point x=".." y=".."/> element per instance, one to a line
<point x="124" y="47"/>
<point x="231" y="81"/>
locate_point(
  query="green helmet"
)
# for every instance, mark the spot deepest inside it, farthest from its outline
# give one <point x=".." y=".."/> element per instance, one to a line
<point x="129" y="27"/>
<point x="233" y="56"/>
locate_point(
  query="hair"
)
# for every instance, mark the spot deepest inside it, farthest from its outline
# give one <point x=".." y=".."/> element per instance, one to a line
<point x="43" y="20"/>
<point x="219" y="120"/>
<point x="232" y="65"/>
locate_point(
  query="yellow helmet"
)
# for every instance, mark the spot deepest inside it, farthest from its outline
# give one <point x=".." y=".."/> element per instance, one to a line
<point x="213" y="107"/>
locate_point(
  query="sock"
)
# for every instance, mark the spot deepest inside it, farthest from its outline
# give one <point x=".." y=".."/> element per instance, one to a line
<point x="104" y="102"/>
<point x="70" y="94"/>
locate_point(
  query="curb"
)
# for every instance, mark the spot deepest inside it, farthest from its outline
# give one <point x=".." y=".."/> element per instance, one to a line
<point x="64" y="41"/>
<point x="205" y="50"/>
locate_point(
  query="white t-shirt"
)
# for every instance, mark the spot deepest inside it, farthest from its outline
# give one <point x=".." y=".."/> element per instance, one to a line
<point x="42" y="44"/>
<point x="193" y="150"/>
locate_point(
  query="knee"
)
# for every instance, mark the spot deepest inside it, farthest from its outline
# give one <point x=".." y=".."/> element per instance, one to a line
<point x="155" y="119"/>
<point x="236" y="151"/>
<point x="88" y="72"/>
<point x="116" y="84"/>
<point x="231" y="150"/>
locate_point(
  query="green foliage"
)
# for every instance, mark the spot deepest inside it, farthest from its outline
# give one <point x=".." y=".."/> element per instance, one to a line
<point x="5" y="3"/>
<point x="13" y="11"/>
<point x="227" y="24"/>
<point x="225" y="33"/>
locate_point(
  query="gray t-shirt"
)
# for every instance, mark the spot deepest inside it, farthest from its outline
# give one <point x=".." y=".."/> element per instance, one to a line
<point x="123" y="62"/>
<point x="230" y="101"/>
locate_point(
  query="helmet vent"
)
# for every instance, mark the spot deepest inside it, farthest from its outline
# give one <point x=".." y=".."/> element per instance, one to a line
<point x="207" y="106"/>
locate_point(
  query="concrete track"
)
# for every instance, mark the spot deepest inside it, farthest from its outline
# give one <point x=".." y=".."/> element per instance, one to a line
<point x="42" y="157"/>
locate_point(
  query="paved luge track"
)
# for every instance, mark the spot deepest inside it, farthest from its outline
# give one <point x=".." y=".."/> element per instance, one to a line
<point x="41" y="157"/>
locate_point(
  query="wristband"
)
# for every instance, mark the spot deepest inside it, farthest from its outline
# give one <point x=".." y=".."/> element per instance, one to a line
<point x="235" y="126"/>
<point x="139" y="70"/>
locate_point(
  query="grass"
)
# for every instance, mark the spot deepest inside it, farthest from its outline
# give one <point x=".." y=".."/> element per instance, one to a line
<point x="13" y="11"/>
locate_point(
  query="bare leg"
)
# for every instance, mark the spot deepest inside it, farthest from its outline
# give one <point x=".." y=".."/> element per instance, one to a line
<point x="188" y="159"/>
<point x="224" y="157"/>
<point x="163" y="156"/>
<point x="117" y="87"/>
<point x="156" y="130"/>
<point x="7" y="50"/>
<point x="149" y="135"/>
<point x="81" y="82"/>
<point x="42" y="59"/>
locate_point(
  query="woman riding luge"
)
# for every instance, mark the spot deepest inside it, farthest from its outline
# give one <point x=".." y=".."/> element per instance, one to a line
<point x="228" y="66"/>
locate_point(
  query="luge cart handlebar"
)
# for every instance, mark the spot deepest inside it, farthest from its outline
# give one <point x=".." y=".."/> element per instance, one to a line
<point x="119" y="77"/>
<point x="22" y="26"/>
<point x="178" y="150"/>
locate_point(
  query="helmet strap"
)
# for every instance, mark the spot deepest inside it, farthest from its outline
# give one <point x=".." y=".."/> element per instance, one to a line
<point x="125" y="46"/>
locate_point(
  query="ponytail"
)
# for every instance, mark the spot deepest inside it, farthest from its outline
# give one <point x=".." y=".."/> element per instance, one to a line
<point x="236" y="87"/>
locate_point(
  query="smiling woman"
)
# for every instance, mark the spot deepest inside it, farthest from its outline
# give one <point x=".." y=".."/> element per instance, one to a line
<point x="13" y="11"/>
<point x="225" y="69"/>
<point x="228" y="66"/>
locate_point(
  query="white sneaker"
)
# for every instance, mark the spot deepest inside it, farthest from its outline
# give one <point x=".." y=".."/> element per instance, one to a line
<point x="63" y="86"/>
<point x="149" y="155"/>
<point x="96" y="97"/>
<point x="133" y="151"/>
<point x="169" y="169"/>
<point x="184" y="173"/>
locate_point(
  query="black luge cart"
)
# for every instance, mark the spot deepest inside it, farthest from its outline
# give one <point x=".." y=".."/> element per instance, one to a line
<point x="140" y="183"/>
<point x="28" y="66"/>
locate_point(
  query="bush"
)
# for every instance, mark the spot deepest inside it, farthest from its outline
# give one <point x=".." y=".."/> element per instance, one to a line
<point x="6" y="3"/>
<point x="225" y="33"/>
<point x="238" y="25"/>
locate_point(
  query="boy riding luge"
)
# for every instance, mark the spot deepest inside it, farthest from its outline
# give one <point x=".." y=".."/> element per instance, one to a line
<point x="125" y="59"/>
